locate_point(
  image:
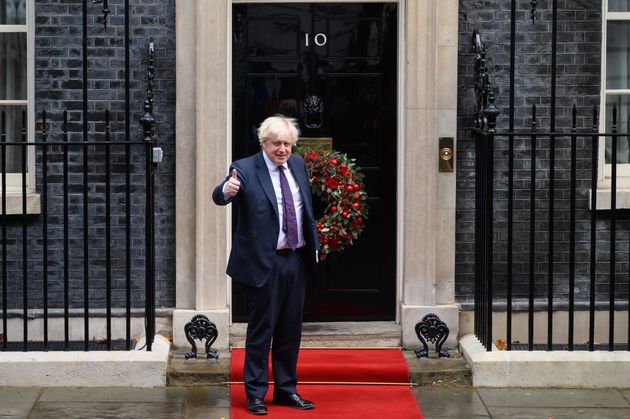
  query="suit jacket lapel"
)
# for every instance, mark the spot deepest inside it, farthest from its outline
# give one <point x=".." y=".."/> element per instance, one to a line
<point x="265" y="180"/>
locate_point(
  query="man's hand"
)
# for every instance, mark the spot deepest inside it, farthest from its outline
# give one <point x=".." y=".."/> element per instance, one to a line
<point x="232" y="186"/>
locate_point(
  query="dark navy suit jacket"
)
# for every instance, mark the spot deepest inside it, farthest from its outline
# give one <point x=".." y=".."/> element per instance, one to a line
<point x="256" y="236"/>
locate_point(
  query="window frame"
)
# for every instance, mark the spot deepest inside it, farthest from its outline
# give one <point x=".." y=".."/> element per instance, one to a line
<point x="14" y="180"/>
<point x="605" y="169"/>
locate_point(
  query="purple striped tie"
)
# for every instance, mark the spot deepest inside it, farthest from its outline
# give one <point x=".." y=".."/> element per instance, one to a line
<point x="289" y="221"/>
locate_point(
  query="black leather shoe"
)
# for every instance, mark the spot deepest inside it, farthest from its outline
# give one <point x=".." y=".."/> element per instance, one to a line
<point x="256" y="406"/>
<point x="293" y="400"/>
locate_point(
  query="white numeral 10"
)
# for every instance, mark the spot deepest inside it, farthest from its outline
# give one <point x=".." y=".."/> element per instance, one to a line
<point x="320" y="39"/>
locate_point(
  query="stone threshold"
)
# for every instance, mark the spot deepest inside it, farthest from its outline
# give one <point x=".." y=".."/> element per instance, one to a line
<point x="337" y="335"/>
<point x="563" y="369"/>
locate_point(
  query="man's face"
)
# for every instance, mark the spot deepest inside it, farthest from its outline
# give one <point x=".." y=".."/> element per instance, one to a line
<point x="278" y="149"/>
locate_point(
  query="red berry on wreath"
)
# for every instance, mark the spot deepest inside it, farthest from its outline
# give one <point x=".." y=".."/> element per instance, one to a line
<point x="359" y="219"/>
<point x="334" y="162"/>
<point x="333" y="208"/>
<point x="356" y="205"/>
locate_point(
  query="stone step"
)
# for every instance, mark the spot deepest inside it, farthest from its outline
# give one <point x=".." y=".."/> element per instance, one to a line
<point x="423" y="371"/>
<point x="197" y="372"/>
<point x="337" y="335"/>
<point x="433" y="371"/>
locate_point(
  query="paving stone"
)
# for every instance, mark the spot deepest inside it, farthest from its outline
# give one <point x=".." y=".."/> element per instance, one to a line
<point x="207" y="413"/>
<point x="16" y="402"/>
<point x="557" y="413"/>
<point x="208" y="397"/>
<point x="447" y="402"/>
<point x="107" y="410"/>
<point x="539" y="397"/>
<point x="109" y="394"/>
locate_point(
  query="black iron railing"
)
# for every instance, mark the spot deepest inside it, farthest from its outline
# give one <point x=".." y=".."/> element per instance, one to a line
<point x="98" y="204"/>
<point x="92" y="247"/>
<point x="545" y="278"/>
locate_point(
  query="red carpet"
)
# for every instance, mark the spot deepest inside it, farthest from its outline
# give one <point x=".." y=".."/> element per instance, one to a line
<point x="345" y="383"/>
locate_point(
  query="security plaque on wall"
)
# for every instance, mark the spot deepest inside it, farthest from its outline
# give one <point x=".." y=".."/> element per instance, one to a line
<point x="316" y="143"/>
<point x="446" y="161"/>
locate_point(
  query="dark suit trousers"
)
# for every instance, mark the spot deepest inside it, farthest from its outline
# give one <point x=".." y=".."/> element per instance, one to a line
<point x="275" y="314"/>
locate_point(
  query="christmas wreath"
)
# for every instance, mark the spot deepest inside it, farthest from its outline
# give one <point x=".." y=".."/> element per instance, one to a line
<point x="336" y="179"/>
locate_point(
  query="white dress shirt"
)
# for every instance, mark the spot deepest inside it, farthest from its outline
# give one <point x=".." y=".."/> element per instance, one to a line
<point x="274" y="173"/>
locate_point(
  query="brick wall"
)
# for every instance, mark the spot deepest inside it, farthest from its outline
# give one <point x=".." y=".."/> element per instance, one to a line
<point x="58" y="87"/>
<point x="578" y="82"/>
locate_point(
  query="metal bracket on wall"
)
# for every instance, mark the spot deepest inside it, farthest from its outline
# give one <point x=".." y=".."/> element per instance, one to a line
<point x="200" y="327"/>
<point x="534" y="4"/>
<point x="434" y="330"/>
<point x="105" y="10"/>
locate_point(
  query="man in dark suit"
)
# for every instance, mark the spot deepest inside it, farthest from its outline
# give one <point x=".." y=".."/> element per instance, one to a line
<point x="275" y="242"/>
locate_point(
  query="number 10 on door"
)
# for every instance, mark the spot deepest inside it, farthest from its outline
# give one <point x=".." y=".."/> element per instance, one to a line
<point x="319" y="39"/>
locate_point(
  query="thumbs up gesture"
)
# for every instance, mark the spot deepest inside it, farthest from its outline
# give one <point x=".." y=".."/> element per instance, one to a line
<point x="232" y="185"/>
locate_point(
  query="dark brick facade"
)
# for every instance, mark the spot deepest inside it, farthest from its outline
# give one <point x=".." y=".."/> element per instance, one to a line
<point x="58" y="87"/>
<point x="578" y="82"/>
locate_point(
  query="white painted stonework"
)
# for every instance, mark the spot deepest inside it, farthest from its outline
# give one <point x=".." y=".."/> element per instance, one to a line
<point x="137" y="368"/>
<point x="585" y="369"/>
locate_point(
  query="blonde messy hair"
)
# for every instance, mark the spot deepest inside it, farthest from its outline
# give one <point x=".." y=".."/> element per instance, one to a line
<point x="277" y="126"/>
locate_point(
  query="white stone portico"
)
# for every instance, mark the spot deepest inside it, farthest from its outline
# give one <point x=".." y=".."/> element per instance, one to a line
<point x="425" y="263"/>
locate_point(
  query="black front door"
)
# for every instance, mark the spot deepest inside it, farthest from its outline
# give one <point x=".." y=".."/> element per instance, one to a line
<point x="345" y="55"/>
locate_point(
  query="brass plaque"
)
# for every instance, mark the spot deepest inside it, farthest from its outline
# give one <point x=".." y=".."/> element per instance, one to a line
<point x="446" y="161"/>
<point x="316" y="143"/>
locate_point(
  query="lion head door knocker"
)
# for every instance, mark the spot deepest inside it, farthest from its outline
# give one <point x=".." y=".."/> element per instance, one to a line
<point x="313" y="112"/>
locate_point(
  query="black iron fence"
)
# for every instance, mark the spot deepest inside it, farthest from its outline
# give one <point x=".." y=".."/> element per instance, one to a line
<point x="571" y="258"/>
<point x="77" y="191"/>
<point x="88" y="252"/>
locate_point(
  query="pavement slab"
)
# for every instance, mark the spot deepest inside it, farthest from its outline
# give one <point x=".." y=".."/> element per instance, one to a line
<point x="107" y="410"/>
<point x="557" y="413"/>
<point x="16" y="402"/>
<point x="551" y="397"/>
<point x="450" y="402"/>
<point x="114" y="394"/>
<point x="208" y="397"/>
<point x="207" y="413"/>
